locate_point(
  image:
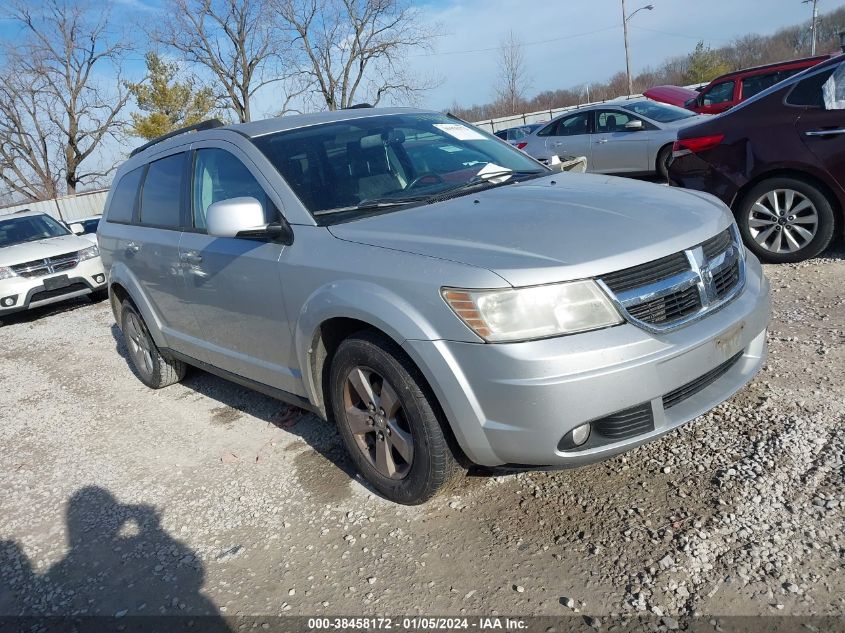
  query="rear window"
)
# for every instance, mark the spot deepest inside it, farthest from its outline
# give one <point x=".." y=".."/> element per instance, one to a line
<point x="162" y="192"/>
<point x="122" y="202"/>
<point x="808" y="92"/>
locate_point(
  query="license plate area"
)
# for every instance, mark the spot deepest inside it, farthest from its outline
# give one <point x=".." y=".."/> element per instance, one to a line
<point x="55" y="283"/>
<point x="730" y="342"/>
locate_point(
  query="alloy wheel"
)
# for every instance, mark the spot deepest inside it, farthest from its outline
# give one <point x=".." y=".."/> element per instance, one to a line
<point x="376" y="419"/>
<point x="138" y="344"/>
<point x="783" y="221"/>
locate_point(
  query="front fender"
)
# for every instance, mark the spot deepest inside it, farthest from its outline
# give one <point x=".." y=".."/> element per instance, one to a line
<point x="361" y="300"/>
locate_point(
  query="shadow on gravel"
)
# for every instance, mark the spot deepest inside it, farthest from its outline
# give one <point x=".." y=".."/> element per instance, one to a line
<point x="120" y="563"/>
<point x="326" y="473"/>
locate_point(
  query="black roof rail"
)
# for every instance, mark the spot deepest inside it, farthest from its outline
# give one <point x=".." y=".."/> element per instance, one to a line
<point x="209" y="124"/>
<point x="359" y="105"/>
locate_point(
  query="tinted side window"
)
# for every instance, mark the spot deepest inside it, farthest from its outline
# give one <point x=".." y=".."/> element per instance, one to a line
<point x="808" y="92"/>
<point x="758" y="83"/>
<point x="720" y="93"/>
<point x="219" y="175"/>
<point x="573" y="125"/>
<point x="611" y="121"/>
<point x="123" y="199"/>
<point x="162" y="192"/>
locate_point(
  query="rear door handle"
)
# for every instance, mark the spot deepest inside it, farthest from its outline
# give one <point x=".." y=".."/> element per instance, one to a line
<point x="601" y="141"/>
<point x="191" y="257"/>
<point x="840" y="130"/>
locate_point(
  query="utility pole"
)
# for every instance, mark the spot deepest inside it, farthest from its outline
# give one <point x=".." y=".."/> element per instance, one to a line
<point x="625" y="18"/>
<point x="813" y="28"/>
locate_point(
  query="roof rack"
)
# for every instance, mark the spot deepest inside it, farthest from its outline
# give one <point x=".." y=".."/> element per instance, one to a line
<point x="358" y="106"/>
<point x="210" y="124"/>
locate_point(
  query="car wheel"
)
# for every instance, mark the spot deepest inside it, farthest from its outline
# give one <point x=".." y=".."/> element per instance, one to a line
<point x="389" y="420"/>
<point x="151" y="367"/>
<point x="785" y="220"/>
<point x="664" y="158"/>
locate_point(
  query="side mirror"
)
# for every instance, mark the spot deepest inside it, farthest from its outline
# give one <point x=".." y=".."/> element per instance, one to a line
<point x="634" y="126"/>
<point x="244" y="218"/>
<point x="76" y="228"/>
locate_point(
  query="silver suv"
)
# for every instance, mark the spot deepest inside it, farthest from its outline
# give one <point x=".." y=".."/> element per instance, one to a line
<point x="440" y="296"/>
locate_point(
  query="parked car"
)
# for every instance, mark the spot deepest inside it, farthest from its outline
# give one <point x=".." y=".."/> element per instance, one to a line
<point x="730" y="89"/>
<point x="440" y="296"/>
<point x="778" y="160"/>
<point x="618" y="137"/>
<point x="516" y="135"/>
<point x="42" y="262"/>
<point x="89" y="227"/>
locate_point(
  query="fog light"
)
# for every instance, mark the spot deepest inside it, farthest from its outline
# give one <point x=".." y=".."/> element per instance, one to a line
<point x="8" y="302"/>
<point x="576" y="437"/>
<point x="99" y="278"/>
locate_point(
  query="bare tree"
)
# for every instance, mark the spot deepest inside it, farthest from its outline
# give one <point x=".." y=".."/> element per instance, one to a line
<point x="513" y="76"/>
<point x="27" y="137"/>
<point x="235" y="40"/>
<point x="66" y="46"/>
<point x="352" y="50"/>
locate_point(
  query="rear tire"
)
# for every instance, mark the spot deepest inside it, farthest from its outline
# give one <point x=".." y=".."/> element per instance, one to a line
<point x="389" y="420"/>
<point x="804" y="229"/>
<point x="153" y="369"/>
<point x="664" y="157"/>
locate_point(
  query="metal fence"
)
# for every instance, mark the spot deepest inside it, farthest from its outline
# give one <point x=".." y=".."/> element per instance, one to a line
<point x="67" y="208"/>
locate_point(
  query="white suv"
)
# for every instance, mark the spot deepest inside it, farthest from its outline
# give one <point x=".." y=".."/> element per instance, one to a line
<point x="42" y="262"/>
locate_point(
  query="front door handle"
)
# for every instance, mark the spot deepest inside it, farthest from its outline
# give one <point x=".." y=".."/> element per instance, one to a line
<point x="840" y="130"/>
<point x="602" y="141"/>
<point x="132" y="247"/>
<point x="191" y="257"/>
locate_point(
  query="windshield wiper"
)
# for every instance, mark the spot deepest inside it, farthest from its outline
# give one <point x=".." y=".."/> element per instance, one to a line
<point x="485" y="179"/>
<point x="374" y="203"/>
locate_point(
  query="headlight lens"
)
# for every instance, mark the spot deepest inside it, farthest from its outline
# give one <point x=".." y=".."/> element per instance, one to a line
<point x="516" y="314"/>
<point x="6" y="273"/>
<point x="89" y="253"/>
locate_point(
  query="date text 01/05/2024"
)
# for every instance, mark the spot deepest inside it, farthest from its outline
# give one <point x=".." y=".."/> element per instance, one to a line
<point x="418" y="623"/>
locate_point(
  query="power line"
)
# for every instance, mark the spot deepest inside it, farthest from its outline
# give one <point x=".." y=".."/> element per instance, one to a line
<point x="684" y="35"/>
<point x="496" y="48"/>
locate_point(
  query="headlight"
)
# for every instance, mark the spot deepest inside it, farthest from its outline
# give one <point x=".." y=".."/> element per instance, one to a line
<point x="6" y="273"/>
<point x="516" y="314"/>
<point x="89" y="253"/>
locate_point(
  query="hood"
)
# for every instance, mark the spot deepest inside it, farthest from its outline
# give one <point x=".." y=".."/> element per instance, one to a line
<point x="673" y="95"/>
<point x="556" y="228"/>
<point x="49" y="247"/>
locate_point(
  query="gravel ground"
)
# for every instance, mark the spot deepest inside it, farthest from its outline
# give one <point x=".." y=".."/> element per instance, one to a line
<point x="207" y="498"/>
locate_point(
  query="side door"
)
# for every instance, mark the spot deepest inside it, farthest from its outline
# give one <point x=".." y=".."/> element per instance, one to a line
<point x="616" y="149"/>
<point x="151" y="248"/>
<point x="718" y="98"/>
<point x="821" y="125"/>
<point x="570" y="137"/>
<point x="234" y="284"/>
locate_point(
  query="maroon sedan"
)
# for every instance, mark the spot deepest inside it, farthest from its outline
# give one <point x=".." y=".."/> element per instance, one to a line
<point x="778" y="160"/>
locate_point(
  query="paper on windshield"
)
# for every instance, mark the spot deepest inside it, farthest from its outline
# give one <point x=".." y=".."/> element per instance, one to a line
<point x="460" y="132"/>
<point x="833" y="90"/>
<point x="489" y="169"/>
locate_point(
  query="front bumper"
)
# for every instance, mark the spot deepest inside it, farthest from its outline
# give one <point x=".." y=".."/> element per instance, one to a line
<point x="30" y="292"/>
<point x="512" y="403"/>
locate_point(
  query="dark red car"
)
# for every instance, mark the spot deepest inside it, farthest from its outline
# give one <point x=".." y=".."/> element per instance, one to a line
<point x="728" y="90"/>
<point x="778" y="160"/>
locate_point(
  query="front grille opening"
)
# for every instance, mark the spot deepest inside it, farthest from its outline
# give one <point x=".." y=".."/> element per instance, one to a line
<point x="58" y="292"/>
<point x="726" y="278"/>
<point x="699" y="384"/>
<point x="669" y="308"/>
<point x="717" y="244"/>
<point x="648" y="273"/>
<point x="627" y="423"/>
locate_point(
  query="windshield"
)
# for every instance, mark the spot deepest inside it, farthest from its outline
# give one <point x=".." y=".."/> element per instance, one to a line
<point x="28" y="229"/>
<point x="390" y="160"/>
<point x="660" y="112"/>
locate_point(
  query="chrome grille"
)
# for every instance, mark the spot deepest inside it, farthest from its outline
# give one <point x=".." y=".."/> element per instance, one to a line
<point x="50" y="265"/>
<point x="674" y="290"/>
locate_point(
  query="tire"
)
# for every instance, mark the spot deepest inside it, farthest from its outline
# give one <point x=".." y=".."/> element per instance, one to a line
<point x="99" y="295"/>
<point x="800" y="237"/>
<point x="412" y="440"/>
<point x="153" y="369"/>
<point x="664" y="157"/>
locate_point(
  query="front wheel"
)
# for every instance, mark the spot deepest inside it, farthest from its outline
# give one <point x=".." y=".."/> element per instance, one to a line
<point x="388" y="420"/>
<point x="784" y="220"/>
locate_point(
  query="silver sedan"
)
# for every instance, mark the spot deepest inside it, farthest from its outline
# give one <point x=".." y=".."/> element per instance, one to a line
<point x="634" y="136"/>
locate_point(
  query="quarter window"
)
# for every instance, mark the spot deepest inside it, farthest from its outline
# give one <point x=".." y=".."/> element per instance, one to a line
<point x="162" y="192"/>
<point x="720" y="93"/>
<point x="122" y="204"/>
<point x="219" y="175"/>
